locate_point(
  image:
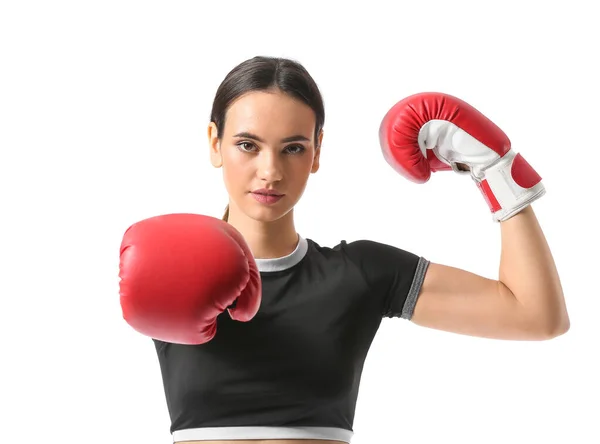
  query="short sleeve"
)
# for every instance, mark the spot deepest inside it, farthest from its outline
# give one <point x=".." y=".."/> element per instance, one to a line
<point x="393" y="274"/>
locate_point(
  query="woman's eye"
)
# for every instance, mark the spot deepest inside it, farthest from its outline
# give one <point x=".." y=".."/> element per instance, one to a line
<point x="291" y="149"/>
<point x="245" y="146"/>
<point x="295" y="149"/>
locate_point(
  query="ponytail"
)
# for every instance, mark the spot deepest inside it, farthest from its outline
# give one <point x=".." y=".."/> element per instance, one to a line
<point x="226" y="214"/>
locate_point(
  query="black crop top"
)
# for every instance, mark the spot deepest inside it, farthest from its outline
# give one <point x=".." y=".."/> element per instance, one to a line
<point x="292" y="372"/>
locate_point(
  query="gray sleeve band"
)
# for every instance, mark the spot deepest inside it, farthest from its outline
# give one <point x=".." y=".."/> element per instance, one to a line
<point x="415" y="289"/>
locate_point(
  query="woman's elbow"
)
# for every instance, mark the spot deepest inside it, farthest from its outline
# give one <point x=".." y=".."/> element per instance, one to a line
<point x="555" y="327"/>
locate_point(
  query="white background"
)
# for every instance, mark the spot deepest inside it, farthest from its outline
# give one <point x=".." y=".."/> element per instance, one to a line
<point x="103" y="115"/>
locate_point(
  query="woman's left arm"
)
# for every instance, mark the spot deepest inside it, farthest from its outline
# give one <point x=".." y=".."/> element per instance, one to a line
<point x="525" y="303"/>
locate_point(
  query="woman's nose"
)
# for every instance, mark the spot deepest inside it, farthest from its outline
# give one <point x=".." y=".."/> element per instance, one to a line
<point x="269" y="166"/>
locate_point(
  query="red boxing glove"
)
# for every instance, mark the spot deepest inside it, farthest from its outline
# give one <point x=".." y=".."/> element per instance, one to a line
<point x="180" y="271"/>
<point x="437" y="132"/>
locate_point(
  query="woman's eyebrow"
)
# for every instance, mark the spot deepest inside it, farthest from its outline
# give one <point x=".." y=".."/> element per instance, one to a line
<point x="296" y="138"/>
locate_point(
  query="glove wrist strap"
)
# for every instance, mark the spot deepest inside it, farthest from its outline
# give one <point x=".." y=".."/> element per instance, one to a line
<point x="508" y="185"/>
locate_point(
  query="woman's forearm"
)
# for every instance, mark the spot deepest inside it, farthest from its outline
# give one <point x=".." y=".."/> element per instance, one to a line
<point x="528" y="270"/>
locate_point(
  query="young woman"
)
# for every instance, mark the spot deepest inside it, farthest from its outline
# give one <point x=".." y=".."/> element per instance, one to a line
<point x="262" y="334"/>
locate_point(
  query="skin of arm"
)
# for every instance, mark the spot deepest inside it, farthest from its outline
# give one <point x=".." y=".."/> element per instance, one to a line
<point x="526" y="302"/>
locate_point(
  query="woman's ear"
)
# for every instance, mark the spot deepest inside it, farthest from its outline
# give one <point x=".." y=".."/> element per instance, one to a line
<point x="315" y="165"/>
<point x="215" y="146"/>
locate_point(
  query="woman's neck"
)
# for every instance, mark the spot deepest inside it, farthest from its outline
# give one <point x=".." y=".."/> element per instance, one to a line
<point x="267" y="240"/>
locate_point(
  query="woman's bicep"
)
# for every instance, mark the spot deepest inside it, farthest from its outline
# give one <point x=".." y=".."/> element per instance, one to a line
<point x="462" y="302"/>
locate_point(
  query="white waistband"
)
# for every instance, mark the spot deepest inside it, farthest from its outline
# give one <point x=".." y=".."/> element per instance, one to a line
<point x="232" y="433"/>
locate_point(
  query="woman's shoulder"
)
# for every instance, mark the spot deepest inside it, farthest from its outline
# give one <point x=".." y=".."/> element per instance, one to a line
<point x="361" y="250"/>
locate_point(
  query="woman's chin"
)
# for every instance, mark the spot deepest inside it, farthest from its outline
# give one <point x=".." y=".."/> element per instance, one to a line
<point x="267" y="213"/>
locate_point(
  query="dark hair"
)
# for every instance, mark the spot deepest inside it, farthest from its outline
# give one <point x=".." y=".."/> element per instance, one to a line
<point x="263" y="73"/>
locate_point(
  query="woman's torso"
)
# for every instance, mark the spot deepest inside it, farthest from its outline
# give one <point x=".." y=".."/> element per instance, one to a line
<point x="298" y="363"/>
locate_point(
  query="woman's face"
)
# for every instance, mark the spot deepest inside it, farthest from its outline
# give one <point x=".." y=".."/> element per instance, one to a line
<point x="268" y="144"/>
